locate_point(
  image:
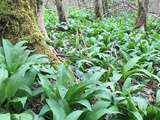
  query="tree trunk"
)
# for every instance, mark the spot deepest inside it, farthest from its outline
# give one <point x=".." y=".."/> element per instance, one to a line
<point x="141" y="20"/>
<point x="19" y="21"/>
<point x="40" y="17"/>
<point x="105" y="7"/>
<point x="159" y="7"/>
<point x="98" y="8"/>
<point x="79" y="4"/>
<point x="61" y="11"/>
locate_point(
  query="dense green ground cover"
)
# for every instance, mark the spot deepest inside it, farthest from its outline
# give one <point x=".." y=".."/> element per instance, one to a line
<point x="111" y="72"/>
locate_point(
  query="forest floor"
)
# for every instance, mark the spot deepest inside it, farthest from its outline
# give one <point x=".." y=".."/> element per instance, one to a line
<point x="111" y="71"/>
<point x="130" y="57"/>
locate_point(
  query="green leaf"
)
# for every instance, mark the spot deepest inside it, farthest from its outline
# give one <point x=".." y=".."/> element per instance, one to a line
<point x="5" y="116"/>
<point x="149" y="74"/>
<point x="3" y="75"/>
<point x="2" y="57"/>
<point x="29" y="77"/>
<point x="101" y="104"/>
<point x="75" y="92"/>
<point x="137" y="115"/>
<point x="127" y="85"/>
<point x="37" y="59"/>
<point x="158" y="96"/>
<point x="38" y="91"/>
<point x="15" y="82"/>
<point x="142" y="72"/>
<point x="142" y="104"/>
<point x="131" y="104"/>
<point x="15" y="56"/>
<point x="116" y="77"/>
<point x="97" y="75"/>
<point x="24" y="90"/>
<point x="98" y="113"/>
<point x="22" y="100"/>
<point x="85" y="103"/>
<point x="57" y="110"/>
<point x="130" y="64"/>
<point x="65" y="76"/>
<point x="81" y="62"/>
<point x="3" y="95"/>
<point x="47" y="86"/>
<point x="74" y="115"/>
<point x="44" y="110"/>
<point x="124" y="54"/>
<point x="151" y="112"/>
<point x="28" y="115"/>
<point x="61" y="91"/>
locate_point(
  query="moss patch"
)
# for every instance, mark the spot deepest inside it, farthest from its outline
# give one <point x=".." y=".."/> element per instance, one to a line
<point x="19" y="16"/>
<point x="21" y="24"/>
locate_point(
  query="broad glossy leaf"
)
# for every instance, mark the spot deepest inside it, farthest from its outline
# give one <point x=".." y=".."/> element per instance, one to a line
<point x="44" y="110"/>
<point x="131" y="104"/>
<point x="151" y="112"/>
<point x="65" y="76"/>
<point x="29" y="77"/>
<point x="15" y="82"/>
<point x="158" y="96"/>
<point x="3" y="95"/>
<point x="142" y="104"/>
<point x="57" y="110"/>
<point x="137" y="115"/>
<point x="149" y="74"/>
<point x="130" y="64"/>
<point x="74" y="115"/>
<point x="3" y="75"/>
<point x="28" y="115"/>
<point x="98" y="113"/>
<point x="85" y="103"/>
<point x="97" y="75"/>
<point x="116" y="77"/>
<point x="24" y="91"/>
<point x="75" y="92"/>
<point x="2" y="57"/>
<point x="47" y="86"/>
<point x="127" y="85"/>
<point x="101" y="104"/>
<point x="15" y="56"/>
<point x="5" y="116"/>
<point x="61" y="91"/>
<point x="21" y="100"/>
<point x="37" y="59"/>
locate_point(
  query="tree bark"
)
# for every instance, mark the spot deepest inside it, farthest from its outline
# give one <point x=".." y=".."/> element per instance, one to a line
<point x="79" y="4"/>
<point x="105" y="7"/>
<point x="158" y="6"/>
<point x="61" y="11"/>
<point x="141" y="20"/>
<point x="40" y="17"/>
<point x="19" y="19"/>
<point x="98" y="8"/>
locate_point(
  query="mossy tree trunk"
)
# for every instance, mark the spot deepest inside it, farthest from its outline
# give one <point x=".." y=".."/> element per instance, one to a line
<point x="99" y="8"/>
<point x="40" y="17"/>
<point x="19" y="21"/>
<point x="141" y="20"/>
<point x="61" y="11"/>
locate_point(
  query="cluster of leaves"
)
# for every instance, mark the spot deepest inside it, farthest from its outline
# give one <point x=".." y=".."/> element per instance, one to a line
<point x="113" y="72"/>
<point x="18" y="71"/>
<point x="130" y="58"/>
<point x="84" y="97"/>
